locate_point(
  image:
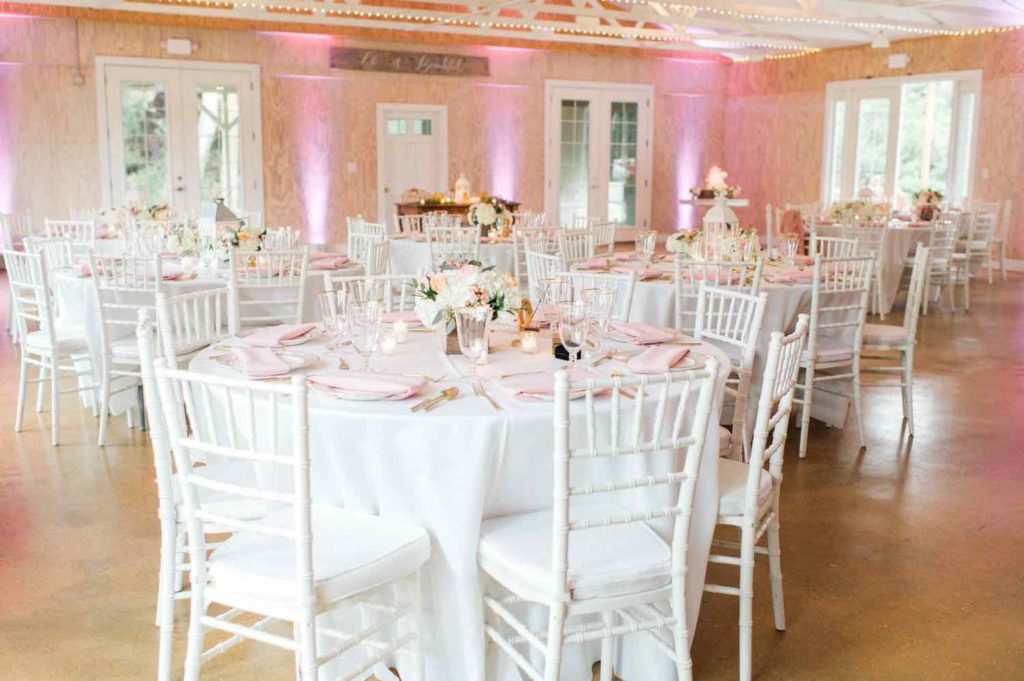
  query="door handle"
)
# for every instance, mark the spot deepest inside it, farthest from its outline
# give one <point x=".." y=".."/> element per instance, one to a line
<point x="387" y="190"/>
<point x="179" y="189"/>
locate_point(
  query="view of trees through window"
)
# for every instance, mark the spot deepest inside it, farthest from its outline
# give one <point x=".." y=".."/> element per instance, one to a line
<point x="926" y="121"/>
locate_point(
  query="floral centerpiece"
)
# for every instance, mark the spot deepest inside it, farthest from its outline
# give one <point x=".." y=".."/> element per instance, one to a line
<point x="859" y="210"/>
<point x="464" y="283"/>
<point x="492" y="215"/>
<point x="242" y="237"/>
<point x="740" y="247"/>
<point x="926" y="202"/>
<point x="686" y="242"/>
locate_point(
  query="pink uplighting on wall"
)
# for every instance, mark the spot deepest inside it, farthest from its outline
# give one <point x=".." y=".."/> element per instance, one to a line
<point x="311" y="134"/>
<point x="504" y="130"/>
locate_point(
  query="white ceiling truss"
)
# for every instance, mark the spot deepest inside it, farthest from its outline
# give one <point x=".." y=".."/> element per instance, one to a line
<point x="737" y="29"/>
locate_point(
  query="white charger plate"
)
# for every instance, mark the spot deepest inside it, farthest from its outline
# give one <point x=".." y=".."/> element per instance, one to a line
<point x="314" y="333"/>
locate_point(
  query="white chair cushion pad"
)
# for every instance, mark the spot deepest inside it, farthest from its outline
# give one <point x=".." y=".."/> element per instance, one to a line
<point x="603" y="561"/>
<point x="732" y="487"/>
<point x="830" y="349"/>
<point x="69" y="339"/>
<point x="352" y="552"/>
<point x="884" y="334"/>
<point x="129" y="349"/>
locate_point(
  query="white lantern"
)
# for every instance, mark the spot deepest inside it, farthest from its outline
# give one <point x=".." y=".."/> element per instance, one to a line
<point x="462" y="189"/>
<point x="719" y="222"/>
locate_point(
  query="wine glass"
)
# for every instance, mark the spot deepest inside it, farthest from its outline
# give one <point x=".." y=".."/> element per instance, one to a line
<point x="601" y="302"/>
<point x="364" y="327"/>
<point x="573" y="326"/>
<point x="332" y="312"/>
<point x="554" y="291"/>
<point x="472" y="324"/>
<point x="646" y="240"/>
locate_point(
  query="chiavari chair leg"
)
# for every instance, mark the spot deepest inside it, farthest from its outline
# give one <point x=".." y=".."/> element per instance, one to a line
<point x="553" y="656"/>
<point x="41" y="388"/>
<point x="607" y="648"/>
<point x="307" y="643"/>
<point x="104" y="410"/>
<point x="681" y="639"/>
<point x="196" y="633"/>
<point x="165" y="598"/>
<point x="927" y="293"/>
<point x="775" y="570"/>
<point x="1002" y="261"/>
<point x="907" y="386"/>
<point x="858" y="407"/>
<point x="22" y="388"/>
<point x="746" y="619"/>
<point x="54" y="401"/>
<point x="805" y="408"/>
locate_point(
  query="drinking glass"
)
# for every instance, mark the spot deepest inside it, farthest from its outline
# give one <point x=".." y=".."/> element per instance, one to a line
<point x="332" y="311"/>
<point x="554" y="291"/>
<point x="472" y="324"/>
<point x="789" y="244"/>
<point x="601" y="302"/>
<point x="646" y="240"/>
<point x="364" y="327"/>
<point x="573" y="326"/>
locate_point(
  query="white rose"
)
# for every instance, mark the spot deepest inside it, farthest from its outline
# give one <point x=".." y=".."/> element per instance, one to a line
<point x="485" y="214"/>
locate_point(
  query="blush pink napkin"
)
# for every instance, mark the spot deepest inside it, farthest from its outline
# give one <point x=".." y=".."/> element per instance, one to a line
<point x="272" y="336"/>
<point x="594" y="264"/>
<point x="795" y="277"/>
<point x="542" y="384"/>
<point x="643" y="334"/>
<point x="657" y="360"/>
<point x="395" y="387"/>
<point x="626" y="256"/>
<point x="259" y="362"/>
<point x="642" y="275"/>
<point x="328" y="262"/>
<point x="407" y="316"/>
<point x="176" y="275"/>
<point x="793" y="223"/>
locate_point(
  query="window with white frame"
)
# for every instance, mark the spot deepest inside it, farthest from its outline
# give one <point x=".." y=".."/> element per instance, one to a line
<point x="888" y="138"/>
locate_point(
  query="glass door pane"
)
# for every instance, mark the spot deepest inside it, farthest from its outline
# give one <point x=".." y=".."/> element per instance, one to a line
<point x="838" y="142"/>
<point x="143" y="167"/>
<point x="965" y="146"/>
<point x="622" y="167"/>
<point x="926" y="126"/>
<point x="871" y="171"/>
<point x="218" y="133"/>
<point x="574" y="153"/>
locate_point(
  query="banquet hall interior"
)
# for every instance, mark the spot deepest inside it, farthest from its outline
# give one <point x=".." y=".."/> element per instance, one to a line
<point x="453" y="341"/>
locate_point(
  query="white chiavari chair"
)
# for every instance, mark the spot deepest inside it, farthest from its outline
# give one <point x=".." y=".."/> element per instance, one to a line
<point x="453" y="243"/>
<point x="541" y="266"/>
<point x="999" y="239"/>
<point x="941" y="249"/>
<point x="59" y="257"/>
<point x="832" y="247"/>
<point x="375" y="260"/>
<point x="169" y="508"/>
<point x="731" y="320"/>
<point x="273" y="291"/>
<point x="576" y="246"/>
<point x="604" y="236"/>
<point x="557" y="558"/>
<point x="189" y="322"/>
<point x="14" y="227"/>
<point x="882" y="340"/>
<point x="410" y="224"/>
<point x="871" y="241"/>
<point x="396" y="292"/>
<point x="583" y="222"/>
<point x="51" y="349"/>
<point x="839" y="299"/>
<point x="81" y="233"/>
<point x="87" y="214"/>
<point x="542" y="240"/>
<point x="282" y="239"/>
<point x="298" y="561"/>
<point x="749" y="493"/>
<point x="744" y="277"/>
<point x="623" y="285"/>
<point x="123" y="285"/>
<point x="977" y="248"/>
<point x="360" y="235"/>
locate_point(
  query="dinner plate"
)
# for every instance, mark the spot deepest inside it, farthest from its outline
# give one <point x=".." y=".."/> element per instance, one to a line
<point x="315" y="332"/>
<point x="294" y="360"/>
<point x="351" y="395"/>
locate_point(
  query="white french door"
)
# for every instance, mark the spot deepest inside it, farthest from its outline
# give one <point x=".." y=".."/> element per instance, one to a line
<point x="598" y="152"/>
<point x="181" y="133"/>
<point x="412" y="152"/>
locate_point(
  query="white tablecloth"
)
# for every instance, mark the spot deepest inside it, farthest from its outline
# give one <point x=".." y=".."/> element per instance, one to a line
<point x="409" y="256"/>
<point x="453" y="468"/>
<point x="898" y="245"/>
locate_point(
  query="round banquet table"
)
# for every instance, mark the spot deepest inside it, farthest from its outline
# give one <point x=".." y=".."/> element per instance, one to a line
<point x="78" y="307"/>
<point x="452" y="468"/>
<point x="408" y="254"/>
<point x="899" y="243"/>
<point x="654" y="302"/>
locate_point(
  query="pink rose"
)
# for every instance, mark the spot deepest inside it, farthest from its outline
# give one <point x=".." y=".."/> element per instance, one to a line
<point x="438" y="283"/>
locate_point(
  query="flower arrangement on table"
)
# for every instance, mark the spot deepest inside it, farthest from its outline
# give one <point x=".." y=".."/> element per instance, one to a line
<point x="184" y="241"/>
<point x="465" y="283"/>
<point x="242" y="237"/>
<point x="859" y="210"/>
<point x="743" y="246"/>
<point x="491" y="214"/>
<point x="686" y="242"/>
<point x="927" y="202"/>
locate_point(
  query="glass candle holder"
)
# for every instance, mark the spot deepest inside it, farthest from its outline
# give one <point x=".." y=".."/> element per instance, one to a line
<point x="528" y="342"/>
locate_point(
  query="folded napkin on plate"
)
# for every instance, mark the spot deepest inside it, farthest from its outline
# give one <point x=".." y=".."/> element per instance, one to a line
<point x="328" y="261"/>
<point x="176" y="275"/>
<point x="642" y="275"/>
<point x="408" y="316"/>
<point x="392" y="386"/>
<point x="627" y="256"/>
<point x="643" y="334"/>
<point x="657" y="360"/>
<point x="594" y="264"/>
<point x="542" y="384"/>
<point x="795" y="277"/>
<point x="273" y="336"/>
<point x="259" y="362"/>
<point x="82" y="269"/>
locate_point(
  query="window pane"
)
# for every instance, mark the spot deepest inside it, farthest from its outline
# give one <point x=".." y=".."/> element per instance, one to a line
<point x="219" y="135"/>
<point x="575" y="148"/>
<point x="144" y="129"/>
<point x="622" y="174"/>
<point x="835" y="184"/>
<point x="872" y="147"/>
<point x="396" y="126"/>
<point x="926" y="118"/>
<point x="421" y="126"/>
<point x="965" y="146"/>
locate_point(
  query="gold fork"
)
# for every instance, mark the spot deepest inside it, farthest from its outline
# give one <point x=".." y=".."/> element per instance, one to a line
<point x="478" y="390"/>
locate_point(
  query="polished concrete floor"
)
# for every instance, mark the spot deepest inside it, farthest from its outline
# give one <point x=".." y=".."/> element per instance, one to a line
<point x="905" y="561"/>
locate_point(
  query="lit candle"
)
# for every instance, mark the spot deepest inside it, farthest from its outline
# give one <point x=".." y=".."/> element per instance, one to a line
<point x="388" y="344"/>
<point x="401" y="329"/>
<point x="528" y="342"/>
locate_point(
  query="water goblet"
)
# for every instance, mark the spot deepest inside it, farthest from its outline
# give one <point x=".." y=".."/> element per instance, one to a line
<point x="472" y="325"/>
<point x="601" y="302"/>
<point x="332" y="312"/>
<point x="554" y="291"/>
<point x="364" y="328"/>
<point x="646" y="240"/>
<point x="789" y="246"/>
<point x="573" y="327"/>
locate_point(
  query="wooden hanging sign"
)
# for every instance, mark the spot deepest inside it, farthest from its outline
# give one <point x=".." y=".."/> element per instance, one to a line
<point x="422" y="63"/>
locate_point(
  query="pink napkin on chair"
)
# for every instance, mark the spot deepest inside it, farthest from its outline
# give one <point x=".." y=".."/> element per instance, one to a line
<point x="328" y="261"/>
<point x="259" y="362"/>
<point x="392" y="386"/>
<point x="643" y="334"/>
<point x="272" y="336"/>
<point x="657" y="360"/>
<point x="543" y="385"/>
<point x="408" y="316"/>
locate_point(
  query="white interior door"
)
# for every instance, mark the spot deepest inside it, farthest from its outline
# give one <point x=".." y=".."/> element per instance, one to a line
<point x="598" y="152"/>
<point x="182" y="134"/>
<point x="412" y="153"/>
